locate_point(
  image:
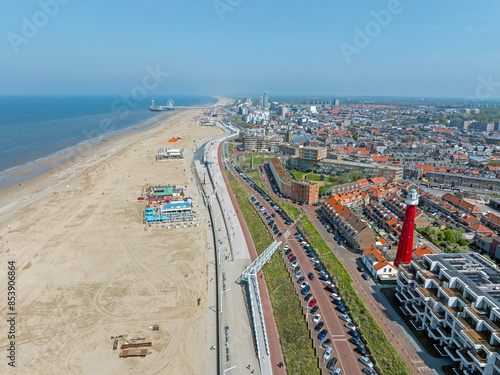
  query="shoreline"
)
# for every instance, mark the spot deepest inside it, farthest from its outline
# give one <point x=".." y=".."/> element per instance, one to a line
<point x="76" y="159"/>
<point x="88" y="267"/>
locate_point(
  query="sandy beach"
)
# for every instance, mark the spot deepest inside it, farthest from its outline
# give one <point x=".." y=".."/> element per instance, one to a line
<point x="87" y="269"/>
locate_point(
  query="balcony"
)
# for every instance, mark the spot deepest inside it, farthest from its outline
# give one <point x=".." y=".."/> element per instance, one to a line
<point x="416" y="310"/>
<point x="445" y="331"/>
<point x="433" y="333"/>
<point x="452" y="352"/>
<point x="481" y="360"/>
<point x="439" y="315"/>
<point x="401" y="297"/>
<point x="428" y="275"/>
<point x="465" y="356"/>
<point x="483" y="315"/>
<point x="428" y="293"/>
<point x="477" y="338"/>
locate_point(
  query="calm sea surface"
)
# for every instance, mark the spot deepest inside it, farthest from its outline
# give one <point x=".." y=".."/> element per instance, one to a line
<point x="34" y="128"/>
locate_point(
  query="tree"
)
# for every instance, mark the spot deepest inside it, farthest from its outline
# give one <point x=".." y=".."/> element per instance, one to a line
<point x="449" y="236"/>
<point x="355" y="136"/>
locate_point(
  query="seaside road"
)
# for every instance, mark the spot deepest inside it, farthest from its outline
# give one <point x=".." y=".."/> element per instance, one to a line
<point x="343" y="350"/>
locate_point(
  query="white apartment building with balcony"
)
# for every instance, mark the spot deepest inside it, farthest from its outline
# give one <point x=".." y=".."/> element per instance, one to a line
<point x="456" y="299"/>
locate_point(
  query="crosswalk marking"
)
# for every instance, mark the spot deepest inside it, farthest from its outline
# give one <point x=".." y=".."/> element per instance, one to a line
<point x="287" y="234"/>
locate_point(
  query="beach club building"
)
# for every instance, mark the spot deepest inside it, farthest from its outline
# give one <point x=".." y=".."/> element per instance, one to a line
<point x="170" y="212"/>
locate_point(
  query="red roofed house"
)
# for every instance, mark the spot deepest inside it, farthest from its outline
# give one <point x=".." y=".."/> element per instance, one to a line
<point x="379" y="267"/>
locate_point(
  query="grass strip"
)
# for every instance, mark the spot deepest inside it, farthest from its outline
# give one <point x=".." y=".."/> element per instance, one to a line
<point x="386" y="357"/>
<point x="295" y="337"/>
<point x="291" y="211"/>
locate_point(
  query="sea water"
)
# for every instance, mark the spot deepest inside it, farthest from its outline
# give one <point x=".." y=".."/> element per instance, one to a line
<point x="35" y="128"/>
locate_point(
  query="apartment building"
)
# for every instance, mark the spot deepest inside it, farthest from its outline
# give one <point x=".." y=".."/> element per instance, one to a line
<point x="313" y="153"/>
<point x="491" y="220"/>
<point x="256" y="143"/>
<point x="437" y="204"/>
<point x="462" y="204"/>
<point x="466" y="181"/>
<point x="298" y="190"/>
<point x="455" y="298"/>
<point x="356" y="231"/>
<point x="289" y="150"/>
<point x="383" y="218"/>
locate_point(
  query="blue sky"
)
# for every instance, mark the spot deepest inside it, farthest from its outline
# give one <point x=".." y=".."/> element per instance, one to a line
<point x="427" y="48"/>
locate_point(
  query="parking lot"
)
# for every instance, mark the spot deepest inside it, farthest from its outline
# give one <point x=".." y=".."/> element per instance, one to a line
<point x="323" y="309"/>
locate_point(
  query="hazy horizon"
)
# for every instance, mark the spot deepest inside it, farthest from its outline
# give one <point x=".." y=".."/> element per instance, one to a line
<point x="377" y="48"/>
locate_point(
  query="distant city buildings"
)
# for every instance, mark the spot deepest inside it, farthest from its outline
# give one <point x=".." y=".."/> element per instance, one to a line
<point x="265" y="102"/>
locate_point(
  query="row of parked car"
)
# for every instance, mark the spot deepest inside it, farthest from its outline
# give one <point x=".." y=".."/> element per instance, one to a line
<point x="265" y="196"/>
<point x="355" y="338"/>
<point x="305" y="290"/>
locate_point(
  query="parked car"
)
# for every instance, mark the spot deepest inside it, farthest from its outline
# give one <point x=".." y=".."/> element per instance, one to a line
<point x="355" y="341"/>
<point x="304" y="284"/>
<point x="314" y="310"/>
<point x="316" y="318"/>
<point x="341" y="309"/>
<point x="312" y="302"/>
<point x="365" y="276"/>
<point x="326" y="343"/>
<point x="298" y="274"/>
<point x="366" y="361"/>
<point x="296" y="269"/>
<point x="353" y="333"/>
<point x="311" y="276"/>
<point x="350" y="325"/>
<point x="360" y="269"/>
<point x="322" y="334"/>
<point x="337" y="371"/>
<point x="294" y="258"/>
<point x="328" y="353"/>
<point x="308" y="297"/>
<point x="331" y="363"/>
<point x="338" y="302"/>
<point x="300" y="279"/>
<point x="323" y="277"/>
<point x="288" y="251"/>
<point x="290" y="256"/>
<point x="361" y="350"/>
<point x="345" y="318"/>
<point x="318" y="326"/>
<point x="305" y="290"/>
<point x="328" y="282"/>
<point x="369" y="371"/>
<point x="295" y="264"/>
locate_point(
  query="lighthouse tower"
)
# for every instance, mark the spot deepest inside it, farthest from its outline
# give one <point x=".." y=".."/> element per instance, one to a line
<point x="405" y="247"/>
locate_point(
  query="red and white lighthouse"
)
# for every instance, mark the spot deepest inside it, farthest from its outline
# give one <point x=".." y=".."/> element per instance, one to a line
<point x="405" y="247"/>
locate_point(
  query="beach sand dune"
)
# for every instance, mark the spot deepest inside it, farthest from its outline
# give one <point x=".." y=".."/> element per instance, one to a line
<point x="87" y="269"/>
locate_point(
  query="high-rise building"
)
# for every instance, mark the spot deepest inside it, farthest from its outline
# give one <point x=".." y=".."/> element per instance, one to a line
<point x="405" y="246"/>
<point x="266" y="99"/>
<point x="261" y="101"/>
<point x="336" y="102"/>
